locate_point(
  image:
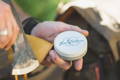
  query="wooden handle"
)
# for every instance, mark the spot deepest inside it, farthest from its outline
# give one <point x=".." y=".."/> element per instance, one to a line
<point x="25" y="77"/>
<point x="16" y="77"/>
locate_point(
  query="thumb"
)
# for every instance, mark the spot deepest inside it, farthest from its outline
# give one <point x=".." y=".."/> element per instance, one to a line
<point x="76" y="28"/>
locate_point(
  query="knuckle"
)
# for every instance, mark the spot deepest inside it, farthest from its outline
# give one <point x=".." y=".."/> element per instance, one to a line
<point x="78" y="69"/>
<point x="67" y="67"/>
<point x="1" y="46"/>
<point x="7" y="8"/>
<point x="17" y="29"/>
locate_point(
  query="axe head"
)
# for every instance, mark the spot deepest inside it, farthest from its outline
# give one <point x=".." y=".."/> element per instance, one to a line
<point x="24" y="59"/>
<point x="40" y="49"/>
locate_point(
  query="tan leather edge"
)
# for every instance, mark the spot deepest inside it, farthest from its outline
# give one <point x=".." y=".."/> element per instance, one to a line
<point x="39" y="46"/>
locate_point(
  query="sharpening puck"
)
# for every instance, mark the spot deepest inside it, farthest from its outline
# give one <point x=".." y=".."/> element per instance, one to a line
<point x="70" y="45"/>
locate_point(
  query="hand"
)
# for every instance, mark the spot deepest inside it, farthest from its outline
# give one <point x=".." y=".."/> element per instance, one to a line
<point x="48" y="31"/>
<point x="8" y="26"/>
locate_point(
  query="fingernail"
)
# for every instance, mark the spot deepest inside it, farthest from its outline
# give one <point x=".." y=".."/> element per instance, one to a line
<point x="85" y="32"/>
<point x="78" y="64"/>
<point x="78" y="67"/>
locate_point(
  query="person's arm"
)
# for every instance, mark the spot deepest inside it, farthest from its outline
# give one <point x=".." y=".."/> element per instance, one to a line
<point x="48" y="30"/>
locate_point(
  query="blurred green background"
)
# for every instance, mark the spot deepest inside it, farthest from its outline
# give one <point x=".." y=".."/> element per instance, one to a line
<point x="40" y="9"/>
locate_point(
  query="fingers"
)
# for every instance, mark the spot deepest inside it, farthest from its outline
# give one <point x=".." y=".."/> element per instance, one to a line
<point x="9" y="25"/>
<point x="13" y="39"/>
<point x="3" y="27"/>
<point x="54" y="58"/>
<point x="7" y="22"/>
<point x="63" y="64"/>
<point x="15" y="31"/>
<point x="78" y="64"/>
<point x="76" y="28"/>
<point x="58" y="61"/>
<point x="47" y="61"/>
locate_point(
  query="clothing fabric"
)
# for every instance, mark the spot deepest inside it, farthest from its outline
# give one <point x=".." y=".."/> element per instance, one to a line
<point x="29" y="24"/>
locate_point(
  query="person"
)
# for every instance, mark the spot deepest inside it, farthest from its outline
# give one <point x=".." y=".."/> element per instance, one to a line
<point x="46" y="30"/>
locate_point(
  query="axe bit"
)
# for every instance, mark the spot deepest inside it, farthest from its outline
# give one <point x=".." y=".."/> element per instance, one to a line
<point x="24" y="61"/>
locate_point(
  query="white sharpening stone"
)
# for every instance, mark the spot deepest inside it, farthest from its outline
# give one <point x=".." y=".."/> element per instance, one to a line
<point x="70" y="45"/>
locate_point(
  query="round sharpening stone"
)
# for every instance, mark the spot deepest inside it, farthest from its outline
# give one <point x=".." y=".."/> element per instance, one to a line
<point x="70" y="45"/>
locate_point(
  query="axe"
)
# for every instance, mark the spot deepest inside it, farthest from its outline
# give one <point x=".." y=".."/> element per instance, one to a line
<point x="24" y="61"/>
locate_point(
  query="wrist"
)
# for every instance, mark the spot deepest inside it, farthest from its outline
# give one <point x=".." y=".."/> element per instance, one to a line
<point x="29" y="24"/>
